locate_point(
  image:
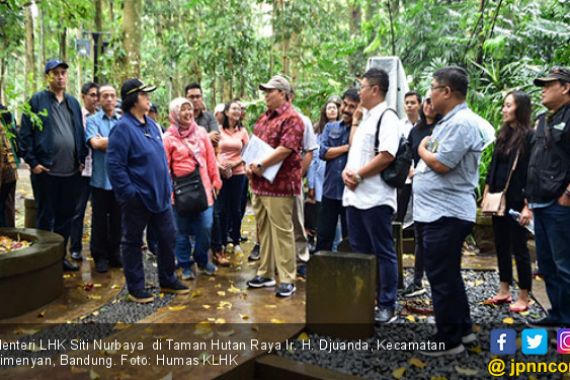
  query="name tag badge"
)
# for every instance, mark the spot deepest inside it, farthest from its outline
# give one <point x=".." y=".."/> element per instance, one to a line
<point x="560" y="126"/>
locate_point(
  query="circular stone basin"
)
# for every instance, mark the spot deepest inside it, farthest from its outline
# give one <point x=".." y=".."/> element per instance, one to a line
<point x="30" y="277"/>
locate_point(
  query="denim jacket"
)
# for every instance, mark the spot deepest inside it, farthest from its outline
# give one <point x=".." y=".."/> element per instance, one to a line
<point x="335" y="134"/>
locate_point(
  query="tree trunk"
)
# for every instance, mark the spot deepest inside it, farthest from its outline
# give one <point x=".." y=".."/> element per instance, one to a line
<point x="30" y="77"/>
<point x="63" y="44"/>
<point x="355" y="10"/>
<point x="479" y="58"/>
<point x="111" y="12"/>
<point x="132" y="38"/>
<point x="98" y="48"/>
<point x="42" y="35"/>
<point x="2" y="77"/>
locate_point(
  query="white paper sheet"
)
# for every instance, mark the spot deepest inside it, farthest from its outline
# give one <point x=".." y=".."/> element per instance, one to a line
<point x="255" y="151"/>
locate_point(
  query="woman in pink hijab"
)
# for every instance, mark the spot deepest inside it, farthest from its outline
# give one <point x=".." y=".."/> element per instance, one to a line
<point x="187" y="145"/>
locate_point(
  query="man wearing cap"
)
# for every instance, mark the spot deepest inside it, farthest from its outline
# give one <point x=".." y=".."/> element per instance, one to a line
<point x="55" y="152"/>
<point x="548" y="193"/>
<point x="139" y="176"/>
<point x="282" y="128"/>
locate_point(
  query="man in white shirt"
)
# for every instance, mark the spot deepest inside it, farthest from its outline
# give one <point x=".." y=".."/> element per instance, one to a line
<point x="369" y="200"/>
<point x="412" y="103"/>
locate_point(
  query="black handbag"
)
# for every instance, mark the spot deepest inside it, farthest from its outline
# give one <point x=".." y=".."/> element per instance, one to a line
<point x="396" y="173"/>
<point x="189" y="193"/>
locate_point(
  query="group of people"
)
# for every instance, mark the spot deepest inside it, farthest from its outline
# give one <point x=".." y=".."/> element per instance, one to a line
<point x="126" y="164"/>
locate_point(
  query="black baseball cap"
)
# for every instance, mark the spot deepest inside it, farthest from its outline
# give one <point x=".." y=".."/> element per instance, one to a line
<point x="556" y="73"/>
<point x="133" y="85"/>
<point x="53" y="63"/>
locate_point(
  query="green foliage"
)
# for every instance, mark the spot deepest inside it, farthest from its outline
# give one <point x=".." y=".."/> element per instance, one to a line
<point x="231" y="46"/>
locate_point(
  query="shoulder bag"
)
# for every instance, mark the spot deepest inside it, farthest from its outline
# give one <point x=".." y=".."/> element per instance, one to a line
<point x="189" y="193"/>
<point x="496" y="203"/>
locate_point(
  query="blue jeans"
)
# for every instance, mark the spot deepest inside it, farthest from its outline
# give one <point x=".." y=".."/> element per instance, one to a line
<point x="134" y="218"/>
<point x="551" y="227"/>
<point x="370" y="232"/>
<point x="442" y="243"/>
<point x="199" y="225"/>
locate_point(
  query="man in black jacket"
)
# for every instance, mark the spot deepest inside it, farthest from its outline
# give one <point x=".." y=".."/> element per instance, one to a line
<point x="53" y="145"/>
<point x="548" y="193"/>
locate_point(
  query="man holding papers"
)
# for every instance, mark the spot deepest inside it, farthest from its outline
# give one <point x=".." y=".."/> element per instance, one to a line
<point x="282" y="128"/>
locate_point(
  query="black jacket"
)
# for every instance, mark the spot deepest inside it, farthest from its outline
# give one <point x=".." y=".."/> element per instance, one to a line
<point x="37" y="143"/>
<point x="499" y="171"/>
<point x="549" y="165"/>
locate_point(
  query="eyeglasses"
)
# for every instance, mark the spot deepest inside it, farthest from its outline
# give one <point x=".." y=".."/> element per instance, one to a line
<point x="433" y="88"/>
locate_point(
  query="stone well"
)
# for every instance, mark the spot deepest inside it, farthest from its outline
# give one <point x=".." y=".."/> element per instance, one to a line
<point x="30" y="277"/>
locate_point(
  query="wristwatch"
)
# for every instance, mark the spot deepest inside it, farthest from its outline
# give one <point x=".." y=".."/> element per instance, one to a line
<point x="358" y="177"/>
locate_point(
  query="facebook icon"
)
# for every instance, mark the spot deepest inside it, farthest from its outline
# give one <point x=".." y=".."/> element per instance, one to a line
<point x="503" y="341"/>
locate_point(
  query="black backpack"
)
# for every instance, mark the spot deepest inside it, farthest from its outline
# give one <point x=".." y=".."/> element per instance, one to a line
<point x="396" y="173"/>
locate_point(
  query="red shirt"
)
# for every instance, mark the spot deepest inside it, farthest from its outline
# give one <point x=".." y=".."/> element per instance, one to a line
<point x="281" y="127"/>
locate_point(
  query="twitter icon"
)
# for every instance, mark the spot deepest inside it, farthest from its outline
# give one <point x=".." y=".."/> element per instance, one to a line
<point x="534" y="341"/>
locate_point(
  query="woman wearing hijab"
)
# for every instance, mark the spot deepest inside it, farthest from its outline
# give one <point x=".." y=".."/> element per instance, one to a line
<point x="188" y="146"/>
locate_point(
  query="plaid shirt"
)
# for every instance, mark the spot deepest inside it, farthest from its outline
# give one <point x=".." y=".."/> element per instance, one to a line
<point x="281" y="127"/>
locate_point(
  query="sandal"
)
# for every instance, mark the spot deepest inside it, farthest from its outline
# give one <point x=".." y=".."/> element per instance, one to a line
<point x="517" y="309"/>
<point x="495" y="300"/>
<point x="220" y="258"/>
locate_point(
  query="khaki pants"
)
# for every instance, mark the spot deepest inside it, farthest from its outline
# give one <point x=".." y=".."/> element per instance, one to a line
<point x="275" y="234"/>
<point x="301" y="243"/>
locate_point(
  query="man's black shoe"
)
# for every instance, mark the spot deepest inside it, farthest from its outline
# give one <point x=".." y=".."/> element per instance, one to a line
<point x="69" y="267"/>
<point x="140" y="296"/>
<point x="175" y="288"/>
<point x="385" y="315"/>
<point x="255" y="253"/>
<point x="102" y="266"/>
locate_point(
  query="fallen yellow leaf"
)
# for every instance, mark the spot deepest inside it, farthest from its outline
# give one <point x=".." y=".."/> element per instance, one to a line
<point x="97" y="285"/>
<point x="466" y="371"/>
<point x="303" y="336"/>
<point x="411" y="318"/>
<point x="202" y="328"/>
<point x="508" y="321"/>
<point x="206" y="306"/>
<point x="221" y="293"/>
<point x="398" y="373"/>
<point x="271" y="306"/>
<point x="195" y="293"/>
<point x="220" y="321"/>
<point x="233" y="289"/>
<point x="417" y="362"/>
<point x="244" y="316"/>
<point x="177" y="307"/>
<point x="275" y="320"/>
<point x="94" y="297"/>
<point x="224" y="305"/>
